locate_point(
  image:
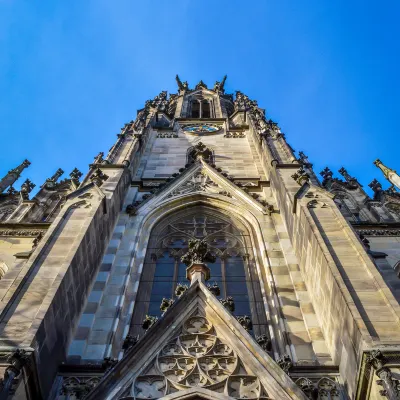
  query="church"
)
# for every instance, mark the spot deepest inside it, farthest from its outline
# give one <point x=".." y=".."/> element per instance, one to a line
<point x="201" y="258"/>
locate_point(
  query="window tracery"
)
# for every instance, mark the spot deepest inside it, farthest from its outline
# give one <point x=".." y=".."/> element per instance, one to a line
<point x="197" y="358"/>
<point x="233" y="271"/>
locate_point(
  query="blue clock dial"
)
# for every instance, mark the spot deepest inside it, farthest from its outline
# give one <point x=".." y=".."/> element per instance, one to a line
<point x="201" y="128"/>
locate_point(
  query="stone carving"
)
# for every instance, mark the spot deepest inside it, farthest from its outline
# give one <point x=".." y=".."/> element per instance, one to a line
<point x="149" y="321"/>
<point x="391" y="386"/>
<point x="181" y="85"/>
<point x="228" y="303"/>
<point x="197" y="183"/>
<point x="327" y="175"/>
<point x="235" y="135"/>
<point x="17" y="361"/>
<point x="168" y="135"/>
<point x="26" y="188"/>
<point x="180" y="289"/>
<point x="377" y="189"/>
<point x="200" y="85"/>
<point x="197" y="358"/>
<point x="390" y="174"/>
<point x="51" y="183"/>
<point x="376" y="232"/>
<point x="98" y="177"/>
<point x="219" y="86"/>
<point x="23" y="232"/>
<point x="75" y="176"/>
<point x="198" y="253"/>
<point x="342" y="171"/>
<point x="303" y="160"/>
<point x="265" y="342"/>
<point x="108" y="363"/>
<point x="166" y="304"/>
<point x="245" y="321"/>
<point x="159" y="102"/>
<point x="285" y="362"/>
<point x="200" y="150"/>
<point x="131" y="210"/>
<point x="319" y="388"/>
<point x="129" y="342"/>
<point x="214" y="289"/>
<point x="99" y="158"/>
<point x="78" y="387"/>
<point x="301" y="176"/>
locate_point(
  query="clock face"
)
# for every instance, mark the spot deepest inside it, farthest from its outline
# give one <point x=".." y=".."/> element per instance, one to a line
<point x="201" y="128"/>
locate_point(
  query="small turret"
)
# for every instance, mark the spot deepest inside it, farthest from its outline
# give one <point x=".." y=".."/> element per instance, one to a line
<point x="51" y="182"/>
<point x="390" y="174"/>
<point x="13" y="175"/>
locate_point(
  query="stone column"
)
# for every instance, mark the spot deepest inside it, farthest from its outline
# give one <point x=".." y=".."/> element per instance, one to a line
<point x="197" y="272"/>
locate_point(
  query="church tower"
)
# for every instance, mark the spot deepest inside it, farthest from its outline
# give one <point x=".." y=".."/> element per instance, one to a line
<point x="200" y="258"/>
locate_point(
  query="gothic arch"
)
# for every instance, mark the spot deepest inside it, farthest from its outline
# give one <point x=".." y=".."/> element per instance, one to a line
<point x="149" y="217"/>
<point x="235" y="269"/>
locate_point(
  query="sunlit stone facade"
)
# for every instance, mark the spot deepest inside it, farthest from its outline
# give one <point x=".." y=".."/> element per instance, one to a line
<point x="200" y="258"/>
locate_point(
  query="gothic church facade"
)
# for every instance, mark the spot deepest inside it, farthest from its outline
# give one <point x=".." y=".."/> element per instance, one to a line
<point x="200" y="258"/>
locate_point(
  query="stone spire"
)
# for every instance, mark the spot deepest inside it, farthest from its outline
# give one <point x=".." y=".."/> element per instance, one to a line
<point x="390" y="174"/>
<point x="13" y="175"/>
<point x="50" y="183"/>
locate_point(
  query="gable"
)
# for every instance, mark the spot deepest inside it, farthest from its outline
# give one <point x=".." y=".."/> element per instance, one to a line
<point x="197" y="344"/>
<point x="202" y="178"/>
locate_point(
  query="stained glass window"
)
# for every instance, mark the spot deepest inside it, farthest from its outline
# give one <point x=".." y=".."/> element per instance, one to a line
<point x="233" y="270"/>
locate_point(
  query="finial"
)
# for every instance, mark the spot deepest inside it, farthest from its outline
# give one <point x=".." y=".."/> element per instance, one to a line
<point x="390" y="174"/>
<point x="181" y="85"/>
<point x="219" y="86"/>
<point x="304" y="160"/>
<point x="75" y="175"/>
<point x="99" y="158"/>
<point x="195" y="259"/>
<point x="26" y="188"/>
<point x="51" y="182"/>
<point x="326" y="174"/>
<point x="98" y="177"/>
<point x="376" y="188"/>
<point x="13" y="175"/>
<point x="342" y="171"/>
<point x="21" y="167"/>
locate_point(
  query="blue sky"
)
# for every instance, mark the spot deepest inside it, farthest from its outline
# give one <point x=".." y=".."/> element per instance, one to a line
<point x="73" y="72"/>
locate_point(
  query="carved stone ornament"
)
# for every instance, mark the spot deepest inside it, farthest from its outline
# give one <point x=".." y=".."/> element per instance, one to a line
<point x="98" y="177"/>
<point x="78" y="387"/>
<point x="197" y="358"/>
<point x="301" y="176"/>
<point x="200" y="150"/>
<point x="285" y="362"/>
<point x="319" y="388"/>
<point x="198" y="253"/>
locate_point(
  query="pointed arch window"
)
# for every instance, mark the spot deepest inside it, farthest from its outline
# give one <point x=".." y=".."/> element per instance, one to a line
<point x="234" y="270"/>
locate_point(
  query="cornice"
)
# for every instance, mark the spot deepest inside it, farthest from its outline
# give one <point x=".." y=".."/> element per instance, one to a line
<point x="23" y="230"/>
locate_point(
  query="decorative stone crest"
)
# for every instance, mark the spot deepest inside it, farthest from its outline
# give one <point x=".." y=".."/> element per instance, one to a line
<point x="197" y="358"/>
<point x="265" y="342"/>
<point x="75" y="176"/>
<point x="198" y="253"/>
<point x="200" y="150"/>
<point x="51" y="183"/>
<point x="98" y="177"/>
<point x="78" y="387"/>
<point x="301" y="176"/>
<point x="228" y="303"/>
<point x="285" y="362"/>
<point x="26" y="188"/>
